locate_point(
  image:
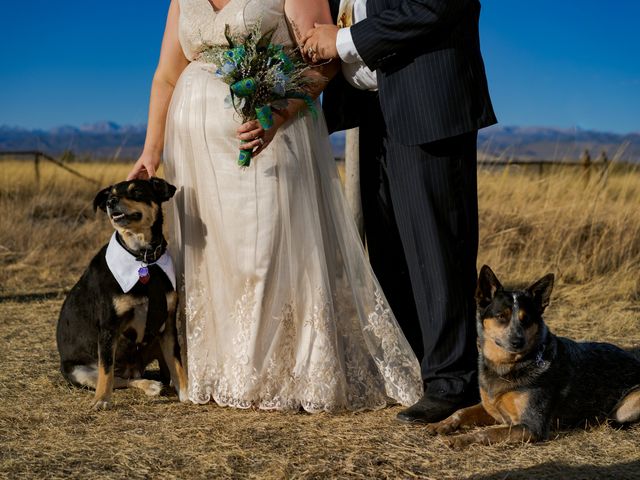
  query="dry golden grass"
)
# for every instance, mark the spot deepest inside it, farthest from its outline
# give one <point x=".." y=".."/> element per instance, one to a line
<point x="49" y="233"/>
<point x="585" y="232"/>
<point x="585" y="229"/>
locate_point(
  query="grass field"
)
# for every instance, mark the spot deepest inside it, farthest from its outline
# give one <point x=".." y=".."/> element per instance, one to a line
<point x="585" y="230"/>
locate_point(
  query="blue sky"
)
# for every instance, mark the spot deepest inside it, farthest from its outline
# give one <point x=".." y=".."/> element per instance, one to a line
<point x="553" y="63"/>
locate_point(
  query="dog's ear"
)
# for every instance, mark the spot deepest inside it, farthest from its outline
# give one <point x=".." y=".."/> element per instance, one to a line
<point x="101" y="199"/>
<point x="162" y="188"/>
<point x="541" y="291"/>
<point x="488" y="285"/>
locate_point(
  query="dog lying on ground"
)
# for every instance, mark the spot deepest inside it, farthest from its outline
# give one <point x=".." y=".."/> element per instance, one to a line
<point x="531" y="379"/>
<point x="120" y="316"/>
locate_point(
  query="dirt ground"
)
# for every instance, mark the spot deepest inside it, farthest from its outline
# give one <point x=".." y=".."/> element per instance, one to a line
<point x="587" y="233"/>
<point x="48" y="430"/>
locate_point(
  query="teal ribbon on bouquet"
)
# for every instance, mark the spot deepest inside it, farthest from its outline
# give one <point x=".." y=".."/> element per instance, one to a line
<point x="245" y="88"/>
<point x="264" y="115"/>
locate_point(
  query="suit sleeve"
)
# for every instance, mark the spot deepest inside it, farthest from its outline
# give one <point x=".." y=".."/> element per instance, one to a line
<point x="380" y="37"/>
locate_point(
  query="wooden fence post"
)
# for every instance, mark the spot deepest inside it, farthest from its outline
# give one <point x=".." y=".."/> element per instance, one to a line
<point x="352" y="177"/>
<point x="37" y="167"/>
<point x="585" y="160"/>
<point x="604" y="161"/>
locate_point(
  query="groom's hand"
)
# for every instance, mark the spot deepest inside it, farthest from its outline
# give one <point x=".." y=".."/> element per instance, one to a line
<point x="319" y="43"/>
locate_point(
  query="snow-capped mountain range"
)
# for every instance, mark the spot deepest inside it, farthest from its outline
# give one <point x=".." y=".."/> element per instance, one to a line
<point x="109" y="140"/>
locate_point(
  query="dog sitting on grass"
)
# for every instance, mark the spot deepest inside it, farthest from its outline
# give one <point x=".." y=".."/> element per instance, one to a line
<point x="120" y="316"/>
<point x="531" y="379"/>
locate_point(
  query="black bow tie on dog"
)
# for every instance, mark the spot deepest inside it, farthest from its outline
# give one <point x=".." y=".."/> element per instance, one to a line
<point x="148" y="256"/>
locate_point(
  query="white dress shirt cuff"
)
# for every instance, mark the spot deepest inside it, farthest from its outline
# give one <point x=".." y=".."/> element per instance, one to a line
<point x="346" y="48"/>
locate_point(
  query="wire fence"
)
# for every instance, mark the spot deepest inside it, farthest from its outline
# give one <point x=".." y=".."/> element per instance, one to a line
<point x="39" y="157"/>
<point x="600" y="165"/>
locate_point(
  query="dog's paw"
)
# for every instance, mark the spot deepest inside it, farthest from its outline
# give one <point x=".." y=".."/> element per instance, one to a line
<point x="151" y="388"/>
<point x="445" y="427"/>
<point x="102" y="404"/>
<point x="182" y="396"/>
<point x="460" y="442"/>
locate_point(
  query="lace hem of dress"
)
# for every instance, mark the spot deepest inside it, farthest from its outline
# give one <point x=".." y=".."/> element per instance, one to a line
<point x="286" y="405"/>
<point x="348" y="367"/>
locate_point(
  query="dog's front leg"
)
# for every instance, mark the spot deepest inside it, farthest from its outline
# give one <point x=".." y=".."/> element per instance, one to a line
<point x="508" y="434"/>
<point x="171" y="350"/>
<point x="171" y="355"/>
<point x="104" y="386"/>
<point x="465" y="417"/>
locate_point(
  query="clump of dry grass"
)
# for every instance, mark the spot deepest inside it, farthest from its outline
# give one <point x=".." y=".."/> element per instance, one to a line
<point x="581" y="228"/>
<point x="49" y="231"/>
<point x="584" y="231"/>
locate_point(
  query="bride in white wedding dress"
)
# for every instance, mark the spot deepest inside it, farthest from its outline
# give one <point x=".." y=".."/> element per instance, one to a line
<point x="281" y="306"/>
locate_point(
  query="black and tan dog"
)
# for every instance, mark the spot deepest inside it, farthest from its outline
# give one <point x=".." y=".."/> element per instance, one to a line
<point x="531" y="379"/>
<point x="107" y="334"/>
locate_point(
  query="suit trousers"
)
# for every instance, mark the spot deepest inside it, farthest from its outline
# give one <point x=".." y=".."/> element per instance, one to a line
<point x="420" y="208"/>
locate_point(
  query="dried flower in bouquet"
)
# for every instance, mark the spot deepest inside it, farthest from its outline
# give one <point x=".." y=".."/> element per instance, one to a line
<point x="261" y="77"/>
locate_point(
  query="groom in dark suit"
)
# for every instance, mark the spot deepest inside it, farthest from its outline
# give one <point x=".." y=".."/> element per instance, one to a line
<point x="413" y="80"/>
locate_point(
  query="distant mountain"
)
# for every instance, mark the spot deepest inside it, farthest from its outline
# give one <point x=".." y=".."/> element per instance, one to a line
<point x="108" y="140"/>
<point x="544" y="143"/>
<point x="98" y="141"/>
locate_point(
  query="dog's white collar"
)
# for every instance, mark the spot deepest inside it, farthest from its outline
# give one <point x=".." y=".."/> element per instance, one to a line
<point x="124" y="266"/>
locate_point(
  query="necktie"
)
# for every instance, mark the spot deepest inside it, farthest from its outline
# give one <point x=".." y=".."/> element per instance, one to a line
<point x="345" y="13"/>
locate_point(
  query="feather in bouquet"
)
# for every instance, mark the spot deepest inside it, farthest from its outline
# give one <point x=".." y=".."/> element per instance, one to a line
<point x="261" y="77"/>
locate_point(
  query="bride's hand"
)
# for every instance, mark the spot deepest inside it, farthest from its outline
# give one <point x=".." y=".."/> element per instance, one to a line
<point x="145" y="167"/>
<point x="257" y="137"/>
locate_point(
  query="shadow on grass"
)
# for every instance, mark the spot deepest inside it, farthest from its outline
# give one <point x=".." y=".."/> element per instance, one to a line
<point x="33" y="297"/>
<point x="562" y="471"/>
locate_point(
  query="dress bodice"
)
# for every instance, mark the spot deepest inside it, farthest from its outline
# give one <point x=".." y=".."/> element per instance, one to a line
<point x="201" y="25"/>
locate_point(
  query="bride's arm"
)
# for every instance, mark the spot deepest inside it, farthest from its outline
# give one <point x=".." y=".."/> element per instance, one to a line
<point x="302" y="15"/>
<point x="171" y="64"/>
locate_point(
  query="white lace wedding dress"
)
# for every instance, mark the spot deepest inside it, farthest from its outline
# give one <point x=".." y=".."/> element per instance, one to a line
<point x="282" y="309"/>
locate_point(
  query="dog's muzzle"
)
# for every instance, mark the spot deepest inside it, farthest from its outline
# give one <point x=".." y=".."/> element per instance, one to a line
<point x="118" y="214"/>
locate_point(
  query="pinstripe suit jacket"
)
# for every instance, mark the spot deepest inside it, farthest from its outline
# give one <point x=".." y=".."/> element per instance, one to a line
<point x="431" y="77"/>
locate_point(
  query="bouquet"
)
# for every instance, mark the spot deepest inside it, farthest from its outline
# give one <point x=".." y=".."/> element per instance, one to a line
<point x="261" y="77"/>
